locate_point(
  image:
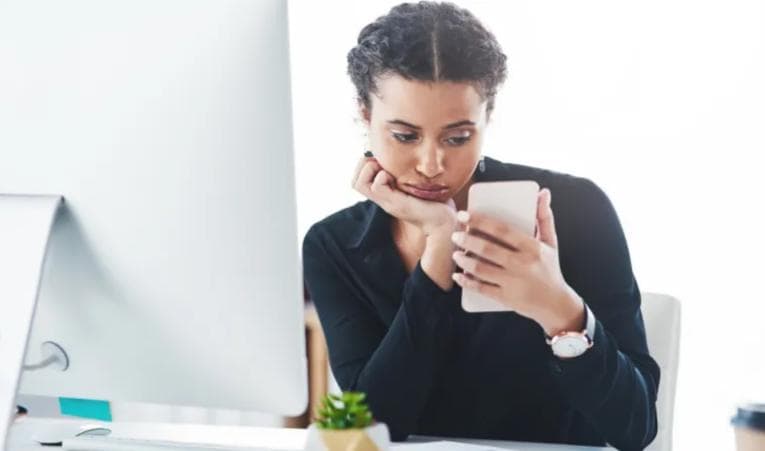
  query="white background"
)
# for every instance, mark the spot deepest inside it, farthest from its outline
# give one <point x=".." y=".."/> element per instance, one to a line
<point x="662" y="103"/>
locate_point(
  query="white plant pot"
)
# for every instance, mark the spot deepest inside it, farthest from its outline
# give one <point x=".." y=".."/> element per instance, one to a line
<point x="371" y="438"/>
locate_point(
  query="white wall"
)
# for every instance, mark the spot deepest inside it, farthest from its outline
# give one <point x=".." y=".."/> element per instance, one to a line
<point x="662" y="103"/>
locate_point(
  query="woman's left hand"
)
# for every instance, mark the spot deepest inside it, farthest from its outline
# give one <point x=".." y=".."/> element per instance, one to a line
<point x="520" y="271"/>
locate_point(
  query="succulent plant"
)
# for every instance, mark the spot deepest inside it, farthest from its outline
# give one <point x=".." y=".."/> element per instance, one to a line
<point x="346" y="411"/>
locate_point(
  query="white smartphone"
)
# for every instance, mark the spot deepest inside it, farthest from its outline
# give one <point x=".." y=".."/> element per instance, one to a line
<point x="514" y="202"/>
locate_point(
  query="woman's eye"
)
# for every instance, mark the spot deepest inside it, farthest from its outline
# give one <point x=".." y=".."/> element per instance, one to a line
<point x="405" y="137"/>
<point x="457" y="140"/>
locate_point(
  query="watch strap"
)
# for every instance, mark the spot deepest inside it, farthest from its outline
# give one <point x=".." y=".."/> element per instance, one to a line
<point x="589" y="325"/>
<point x="589" y="328"/>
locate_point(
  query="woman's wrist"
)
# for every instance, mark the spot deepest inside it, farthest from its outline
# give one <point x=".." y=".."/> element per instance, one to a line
<point x="436" y="260"/>
<point x="569" y="316"/>
<point x="445" y="225"/>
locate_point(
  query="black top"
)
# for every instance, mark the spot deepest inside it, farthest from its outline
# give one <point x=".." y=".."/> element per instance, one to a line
<point x="430" y="368"/>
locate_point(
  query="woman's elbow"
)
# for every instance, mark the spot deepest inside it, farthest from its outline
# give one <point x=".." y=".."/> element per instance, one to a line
<point x="398" y="435"/>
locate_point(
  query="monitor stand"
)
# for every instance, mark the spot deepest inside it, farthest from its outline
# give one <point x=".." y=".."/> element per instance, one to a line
<point x="25" y="227"/>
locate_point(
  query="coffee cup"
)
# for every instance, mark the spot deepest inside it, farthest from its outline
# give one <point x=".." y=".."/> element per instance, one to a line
<point x="749" y="424"/>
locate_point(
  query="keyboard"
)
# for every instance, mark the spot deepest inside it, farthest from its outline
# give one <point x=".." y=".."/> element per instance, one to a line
<point x="107" y="443"/>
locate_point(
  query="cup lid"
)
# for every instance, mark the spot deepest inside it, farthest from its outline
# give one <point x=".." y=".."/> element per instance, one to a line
<point x="750" y="416"/>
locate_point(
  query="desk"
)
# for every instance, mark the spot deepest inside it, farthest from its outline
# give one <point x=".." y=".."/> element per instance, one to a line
<point x="276" y="438"/>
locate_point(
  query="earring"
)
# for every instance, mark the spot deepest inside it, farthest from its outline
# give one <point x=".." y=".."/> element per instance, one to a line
<point x="481" y="165"/>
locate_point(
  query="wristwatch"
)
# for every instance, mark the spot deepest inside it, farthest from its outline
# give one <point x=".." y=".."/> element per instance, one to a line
<point x="568" y="344"/>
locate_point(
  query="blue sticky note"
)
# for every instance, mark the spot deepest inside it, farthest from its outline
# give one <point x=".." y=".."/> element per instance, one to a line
<point x="85" y="408"/>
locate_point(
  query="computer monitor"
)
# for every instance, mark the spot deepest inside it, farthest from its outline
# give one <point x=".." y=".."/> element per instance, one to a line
<point x="172" y="273"/>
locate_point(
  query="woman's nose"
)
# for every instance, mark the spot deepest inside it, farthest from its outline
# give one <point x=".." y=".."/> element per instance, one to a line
<point x="430" y="163"/>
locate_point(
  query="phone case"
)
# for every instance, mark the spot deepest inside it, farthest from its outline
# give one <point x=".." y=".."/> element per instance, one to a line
<point x="514" y="202"/>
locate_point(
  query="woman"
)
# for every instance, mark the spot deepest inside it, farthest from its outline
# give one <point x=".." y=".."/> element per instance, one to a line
<point x="386" y="274"/>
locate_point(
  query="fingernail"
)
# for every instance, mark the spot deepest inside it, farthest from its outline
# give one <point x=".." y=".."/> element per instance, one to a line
<point x="456" y="277"/>
<point x="458" y="237"/>
<point x="463" y="216"/>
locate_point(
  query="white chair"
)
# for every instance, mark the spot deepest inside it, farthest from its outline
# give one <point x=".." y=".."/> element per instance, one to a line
<point x="661" y="314"/>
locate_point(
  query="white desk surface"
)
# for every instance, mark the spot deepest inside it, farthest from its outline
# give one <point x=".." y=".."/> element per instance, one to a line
<point x="242" y="436"/>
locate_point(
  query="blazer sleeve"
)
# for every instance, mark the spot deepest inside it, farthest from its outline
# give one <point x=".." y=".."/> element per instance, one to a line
<point x="614" y="384"/>
<point x="396" y="365"/>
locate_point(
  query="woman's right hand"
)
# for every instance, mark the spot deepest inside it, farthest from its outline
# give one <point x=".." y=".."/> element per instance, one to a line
<point x="371" y="180"/>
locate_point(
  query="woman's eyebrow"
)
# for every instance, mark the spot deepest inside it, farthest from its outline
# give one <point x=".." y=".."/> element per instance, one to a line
<point x="405" y="124"/>
<point x="459" y="124"/>
<point x="452" y="125"/>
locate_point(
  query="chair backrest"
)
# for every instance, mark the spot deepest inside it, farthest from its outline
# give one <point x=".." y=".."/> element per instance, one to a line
<point x="661" y="314"/>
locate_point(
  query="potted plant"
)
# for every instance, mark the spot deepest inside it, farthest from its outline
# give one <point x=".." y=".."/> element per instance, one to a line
<point x="345" y="423"/>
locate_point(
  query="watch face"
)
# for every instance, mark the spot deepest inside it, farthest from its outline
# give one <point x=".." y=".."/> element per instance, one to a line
<point x="568" y="346"/>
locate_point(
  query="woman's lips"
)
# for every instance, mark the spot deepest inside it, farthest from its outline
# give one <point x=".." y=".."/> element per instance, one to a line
<point x="430" y="193"/>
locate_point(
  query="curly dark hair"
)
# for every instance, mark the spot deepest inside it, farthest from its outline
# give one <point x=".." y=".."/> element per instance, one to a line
<point x="427" y="41"/>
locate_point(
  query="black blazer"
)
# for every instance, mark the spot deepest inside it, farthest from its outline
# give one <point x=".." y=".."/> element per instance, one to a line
<point x="430" y="368"/>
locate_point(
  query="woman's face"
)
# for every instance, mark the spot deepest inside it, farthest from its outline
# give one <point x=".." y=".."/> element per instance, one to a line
<point x="426" y="135"/>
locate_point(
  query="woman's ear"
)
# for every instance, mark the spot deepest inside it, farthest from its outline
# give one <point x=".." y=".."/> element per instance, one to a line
<point x="365" y="114"/>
